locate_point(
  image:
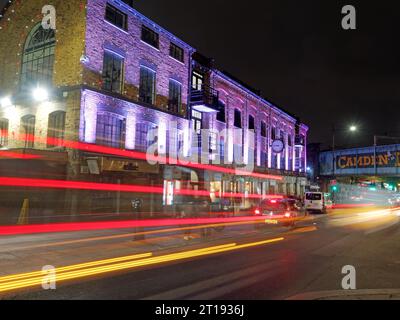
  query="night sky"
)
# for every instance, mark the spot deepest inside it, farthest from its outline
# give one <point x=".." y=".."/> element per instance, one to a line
<point x="301" y="59"/>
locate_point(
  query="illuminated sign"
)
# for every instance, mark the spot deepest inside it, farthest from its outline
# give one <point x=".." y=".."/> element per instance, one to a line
<point x="382" y="160"/>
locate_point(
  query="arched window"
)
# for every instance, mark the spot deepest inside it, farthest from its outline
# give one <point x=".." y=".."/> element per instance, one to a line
<point x="56" y="128"/>
<point x="38" y="57"/>
<point x="28" y="129"/>
<point x="3" y="133"/>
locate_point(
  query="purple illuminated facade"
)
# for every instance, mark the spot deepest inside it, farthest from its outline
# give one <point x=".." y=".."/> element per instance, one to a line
<point x="132" y="76"/>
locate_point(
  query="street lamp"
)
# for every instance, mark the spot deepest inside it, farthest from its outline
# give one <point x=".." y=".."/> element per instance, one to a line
<point x="40" y="94"/>
<point x="352" y="129"/>
<point x="5" y="102"/>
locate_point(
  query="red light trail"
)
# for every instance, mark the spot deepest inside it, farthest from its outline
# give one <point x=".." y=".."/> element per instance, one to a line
<point x="81" y="185"/>
<point x="108" y="225"/>
<point x="143" y="156"/>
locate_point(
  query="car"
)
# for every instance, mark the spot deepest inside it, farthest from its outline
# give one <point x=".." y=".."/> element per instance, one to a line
<point x="279" y="211"/>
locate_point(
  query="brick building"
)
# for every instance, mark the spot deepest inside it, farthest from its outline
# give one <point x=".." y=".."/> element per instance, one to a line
<point x="107" y="76"/>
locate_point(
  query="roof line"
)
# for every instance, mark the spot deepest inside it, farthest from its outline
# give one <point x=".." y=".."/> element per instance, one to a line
<point x="271" y="105"/>
<point x="153" y="24"/>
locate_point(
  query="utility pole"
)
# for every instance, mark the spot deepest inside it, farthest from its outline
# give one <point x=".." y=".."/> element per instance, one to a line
<point x="333" y="149"/>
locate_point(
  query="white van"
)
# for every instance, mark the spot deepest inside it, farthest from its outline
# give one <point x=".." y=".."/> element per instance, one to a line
<point x="316" y="201"/>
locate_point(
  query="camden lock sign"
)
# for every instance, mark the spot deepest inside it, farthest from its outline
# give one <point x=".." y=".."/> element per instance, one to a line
<point x="366" y="160"/>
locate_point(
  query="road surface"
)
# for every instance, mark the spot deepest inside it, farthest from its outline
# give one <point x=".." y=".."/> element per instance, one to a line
<point x="307" y="258"/>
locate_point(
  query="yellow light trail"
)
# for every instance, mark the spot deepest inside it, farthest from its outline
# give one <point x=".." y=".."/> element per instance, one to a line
<point x="78" y="266"/>
<point x="75" y="274"/>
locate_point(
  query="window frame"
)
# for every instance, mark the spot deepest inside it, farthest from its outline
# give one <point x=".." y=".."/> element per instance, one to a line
<point x="27" y="123"/>
<point x="173" y="84"/>
<point x="145" y="98"/>
<point x="155" y="43"/>
<point x="54" y="132"/>
<point x="112" y="143"/>
<point x="39" y="55"/>
<point x="236" y="118"/>
<point x="115" y="10"/>
<point x="108" y="54"/>
<point x="263" y="129"/>
<point x="4" y="131"/>
<point x="174" y="50"/>
<point x="252" y="121"/>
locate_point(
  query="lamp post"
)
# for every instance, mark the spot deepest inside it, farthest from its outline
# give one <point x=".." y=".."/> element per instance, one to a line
<point x="352" y="129"/>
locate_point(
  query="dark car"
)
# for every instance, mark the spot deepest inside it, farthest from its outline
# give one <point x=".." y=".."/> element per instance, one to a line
<point x="278" y="211"/>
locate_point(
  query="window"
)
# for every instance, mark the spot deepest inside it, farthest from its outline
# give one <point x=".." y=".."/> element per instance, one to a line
<point x="197" y="81"/>
<point x="113" y="66"/>
<point x="38" y="57"/>
<point x="313" y="196"/>
<point x="175" y="96"/>
<point x="147" y="85"/>
<point x="110" y="130"/>
<point x="3" y="132"/>
<point x="273" y="133"/>
<point x="56" y="128"/>
<point x="197" y="118"/>
<point x="143" y="141"/>
<point x="116" y="17"/>
<point x="150" y="37"/>
<point x="176" y="52"/>
<point x="28" y="127"/>
<point x="290" y="141"/>
<point x="238" y="119"/>
<point x="221" y="111"/>
<point x="263" y="129"/>
<point x="251" y="123"/>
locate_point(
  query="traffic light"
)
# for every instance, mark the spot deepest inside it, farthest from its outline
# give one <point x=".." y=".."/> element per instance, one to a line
<point x="335" y="188"/>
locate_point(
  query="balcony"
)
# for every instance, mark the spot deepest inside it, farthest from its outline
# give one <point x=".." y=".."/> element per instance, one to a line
<point x="204" y="100"/>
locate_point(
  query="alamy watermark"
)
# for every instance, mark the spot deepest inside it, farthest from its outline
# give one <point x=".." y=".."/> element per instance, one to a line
<point x="349" y="20"/>
<point x="49" y="278"/>
<point x="49" y="17"/>
<point x="349" y="280"/>
<point x="206" y="146"/>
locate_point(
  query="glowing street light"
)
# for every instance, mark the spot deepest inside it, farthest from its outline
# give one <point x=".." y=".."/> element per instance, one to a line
<point x="5" y="102"/>
<point x="40" y="94"/>
<point x="353" y="128"/>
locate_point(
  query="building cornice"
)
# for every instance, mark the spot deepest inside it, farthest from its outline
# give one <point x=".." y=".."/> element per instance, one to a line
<point x="152" y="24"/>
<point x="257" y="97"/>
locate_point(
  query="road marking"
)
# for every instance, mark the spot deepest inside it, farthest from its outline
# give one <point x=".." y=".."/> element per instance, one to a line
<point x="14" y="282"/>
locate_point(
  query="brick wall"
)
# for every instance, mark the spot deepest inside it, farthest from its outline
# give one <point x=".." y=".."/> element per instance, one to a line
<point x="235" y="97"/>
<point x="18" y="21"/>
<point x="101" y="34"/>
